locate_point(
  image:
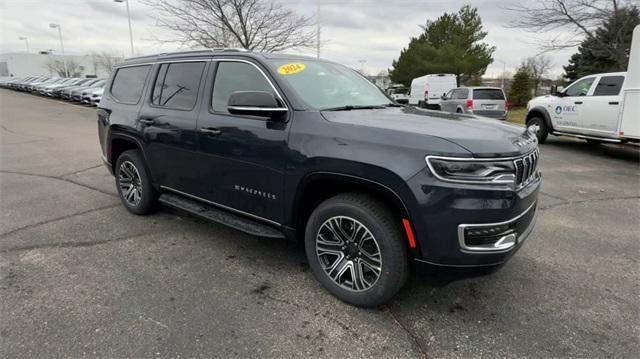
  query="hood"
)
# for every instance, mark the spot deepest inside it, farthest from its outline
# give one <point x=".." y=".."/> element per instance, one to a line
<point x="481" y="136"/>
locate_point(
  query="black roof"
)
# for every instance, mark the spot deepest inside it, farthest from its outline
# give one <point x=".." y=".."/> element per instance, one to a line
<point x="208" y="54"/>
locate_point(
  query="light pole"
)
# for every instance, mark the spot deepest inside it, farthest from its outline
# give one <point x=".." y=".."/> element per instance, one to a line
<point x="318" y="28"/>
<point x="129" y="19"/>
<point x="64" y="61"/>
<point x="26" y="42"/>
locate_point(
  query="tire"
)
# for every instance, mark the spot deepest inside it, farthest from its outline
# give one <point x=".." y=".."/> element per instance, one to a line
<point x="143" y="198"/>
<point x="538" y="126"/>
<point x="459" y="111"/>
<point x="421" y="104"/>
<point x="380" y="280"/>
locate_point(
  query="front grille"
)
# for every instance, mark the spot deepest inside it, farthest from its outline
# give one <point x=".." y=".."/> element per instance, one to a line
<point x="526" y="168"/>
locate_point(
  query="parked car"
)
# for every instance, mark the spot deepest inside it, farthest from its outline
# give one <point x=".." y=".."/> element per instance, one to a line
<point x="37" y="86"/>
<point x="399" y="94"/>
<point x="482" y="101"/>
<point x="293" y="147"/>
<point x="66" y="93"/>
<point x="91" y="94"/>
<point x="96" y="97"/>
<point x="426" y="91"/>
<point x="48" y="89"/>
<point x="598" y="108"/>
<point x="76" y="94"/>
<point x="59" y="90"/>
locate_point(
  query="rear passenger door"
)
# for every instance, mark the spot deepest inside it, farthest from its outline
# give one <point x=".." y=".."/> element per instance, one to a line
<point x="602" y="108"/>
<point x="241" y="157"/>
<point x="167" y="123"/>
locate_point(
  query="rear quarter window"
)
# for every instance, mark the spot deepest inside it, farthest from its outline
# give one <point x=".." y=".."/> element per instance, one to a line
<point x="488" y="94"/>
<point x="128" y="83"/>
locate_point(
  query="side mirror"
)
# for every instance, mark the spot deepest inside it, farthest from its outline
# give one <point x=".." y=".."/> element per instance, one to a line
<point x="255" y="103"/>
<point x="443" y="97"/>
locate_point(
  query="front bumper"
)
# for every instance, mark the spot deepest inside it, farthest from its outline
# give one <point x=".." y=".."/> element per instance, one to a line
<point x="445" y="215"/>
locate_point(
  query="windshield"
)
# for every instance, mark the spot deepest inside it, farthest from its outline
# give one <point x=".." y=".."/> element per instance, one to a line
<point x="324" y="85"/>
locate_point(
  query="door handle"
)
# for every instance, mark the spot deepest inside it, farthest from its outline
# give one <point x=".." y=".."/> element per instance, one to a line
<point x="614" y="103"/>
<point x="210" y="131"/>
<point x="578" y="102"/>
<point x="147" y="121"/>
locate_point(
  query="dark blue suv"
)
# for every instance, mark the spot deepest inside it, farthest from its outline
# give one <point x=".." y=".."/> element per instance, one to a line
<point x="294" y="147"/>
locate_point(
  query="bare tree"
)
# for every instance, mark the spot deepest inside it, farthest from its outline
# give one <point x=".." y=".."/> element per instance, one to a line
<point x="538" y="66"/>
<point x="581" y="17"/>
<point x="261" y="25"/>
<point x="57" y="66"/>
<point x="104" y="60"/>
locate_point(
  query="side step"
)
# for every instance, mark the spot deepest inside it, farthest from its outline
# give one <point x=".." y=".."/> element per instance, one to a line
<point x="219" y="215"/>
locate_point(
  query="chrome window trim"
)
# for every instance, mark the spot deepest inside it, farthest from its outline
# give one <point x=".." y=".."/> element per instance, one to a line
<point x="280" y="97"/>
<point x="480" y="250"/>
<point x="249" y="108"/>
<point x="221" y="206"/>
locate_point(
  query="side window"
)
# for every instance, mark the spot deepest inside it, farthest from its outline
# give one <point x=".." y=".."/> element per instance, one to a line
<point x="609" y="86"/>
<point x="236" y="76"/>
<point x="128" y="84"/>
<point x="449" y="94"/>
<point x="460" y="94"/>
<point x="177" y="85"/>
<point x="580" y="88"/>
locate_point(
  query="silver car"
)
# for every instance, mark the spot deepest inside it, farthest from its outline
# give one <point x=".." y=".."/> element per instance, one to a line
<point x="482" y="101"/>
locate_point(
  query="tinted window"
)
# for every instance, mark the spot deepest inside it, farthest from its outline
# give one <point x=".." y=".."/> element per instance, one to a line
<point x="580" y="88"/>
<point x="236" y="76"/>
<point x="488" y="94"/>
<point x="609" y="86"/>
<point x="177" y="85"/>
<point x="460" y="94"/>
<point x="128" y="83"/>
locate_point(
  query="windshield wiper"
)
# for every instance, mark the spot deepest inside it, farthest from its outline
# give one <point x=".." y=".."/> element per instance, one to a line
<point x="354" y="107"/>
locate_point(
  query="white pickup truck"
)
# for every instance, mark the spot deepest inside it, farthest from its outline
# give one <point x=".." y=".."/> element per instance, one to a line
<point x="597" y="108"/>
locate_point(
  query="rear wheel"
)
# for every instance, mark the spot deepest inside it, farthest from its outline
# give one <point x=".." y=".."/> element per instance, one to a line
<point x="537" y="126"/>
<point x="355" y="248"/>
<point x="134" y="183"/>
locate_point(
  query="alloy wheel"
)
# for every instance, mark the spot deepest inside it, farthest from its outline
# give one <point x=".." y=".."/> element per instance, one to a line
<point x="130" y="183"/>
<point x="348" y="253"/>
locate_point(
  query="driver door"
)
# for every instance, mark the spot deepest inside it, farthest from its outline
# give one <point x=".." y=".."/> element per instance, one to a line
<point x="568" y="110"/>
<point x="242" y="158"/>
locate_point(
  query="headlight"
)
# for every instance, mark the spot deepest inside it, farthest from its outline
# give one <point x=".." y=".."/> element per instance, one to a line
<point x="476" y="171"/>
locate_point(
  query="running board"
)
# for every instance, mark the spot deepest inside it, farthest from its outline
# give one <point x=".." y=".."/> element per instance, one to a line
<point x="221" y="216"/>
<point x="585" y="137"/>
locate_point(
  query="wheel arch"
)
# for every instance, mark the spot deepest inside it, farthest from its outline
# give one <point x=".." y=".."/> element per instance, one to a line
<point x="320" y="186"/>
<point x="119" y="143"/>
<point x="541" y="112"/>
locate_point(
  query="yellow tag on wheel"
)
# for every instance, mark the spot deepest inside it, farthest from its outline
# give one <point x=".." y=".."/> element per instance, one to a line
<point x="290" y="69"/>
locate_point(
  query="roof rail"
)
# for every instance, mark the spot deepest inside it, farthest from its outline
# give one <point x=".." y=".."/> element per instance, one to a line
<point x="202" y="52"/>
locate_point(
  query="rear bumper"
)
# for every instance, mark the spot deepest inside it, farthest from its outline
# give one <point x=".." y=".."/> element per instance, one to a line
<point x="444" y="217"/>
<point x="498" y="115"/>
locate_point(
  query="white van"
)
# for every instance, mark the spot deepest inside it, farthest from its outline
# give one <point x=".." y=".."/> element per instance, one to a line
<point x="426" y="91"/>
<point x="597" y="108"/>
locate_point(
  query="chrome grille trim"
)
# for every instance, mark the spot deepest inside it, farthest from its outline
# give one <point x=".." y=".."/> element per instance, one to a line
<point x="526" y="168"/>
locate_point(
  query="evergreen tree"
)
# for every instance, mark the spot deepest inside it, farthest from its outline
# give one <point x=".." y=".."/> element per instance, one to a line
<point x="520" y="92"/>
<point x="450" y="44"/>
<point x="592" y="57"/>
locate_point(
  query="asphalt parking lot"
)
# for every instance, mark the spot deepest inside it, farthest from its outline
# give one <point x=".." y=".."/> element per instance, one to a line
<point x="80" y="276"/>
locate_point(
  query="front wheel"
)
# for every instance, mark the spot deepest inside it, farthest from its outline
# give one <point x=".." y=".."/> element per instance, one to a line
<point x="537" y="126"/>
<point x="355" y="248"/>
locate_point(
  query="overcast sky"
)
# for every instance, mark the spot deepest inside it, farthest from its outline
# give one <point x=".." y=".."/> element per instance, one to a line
<point x="353" y="31"/>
